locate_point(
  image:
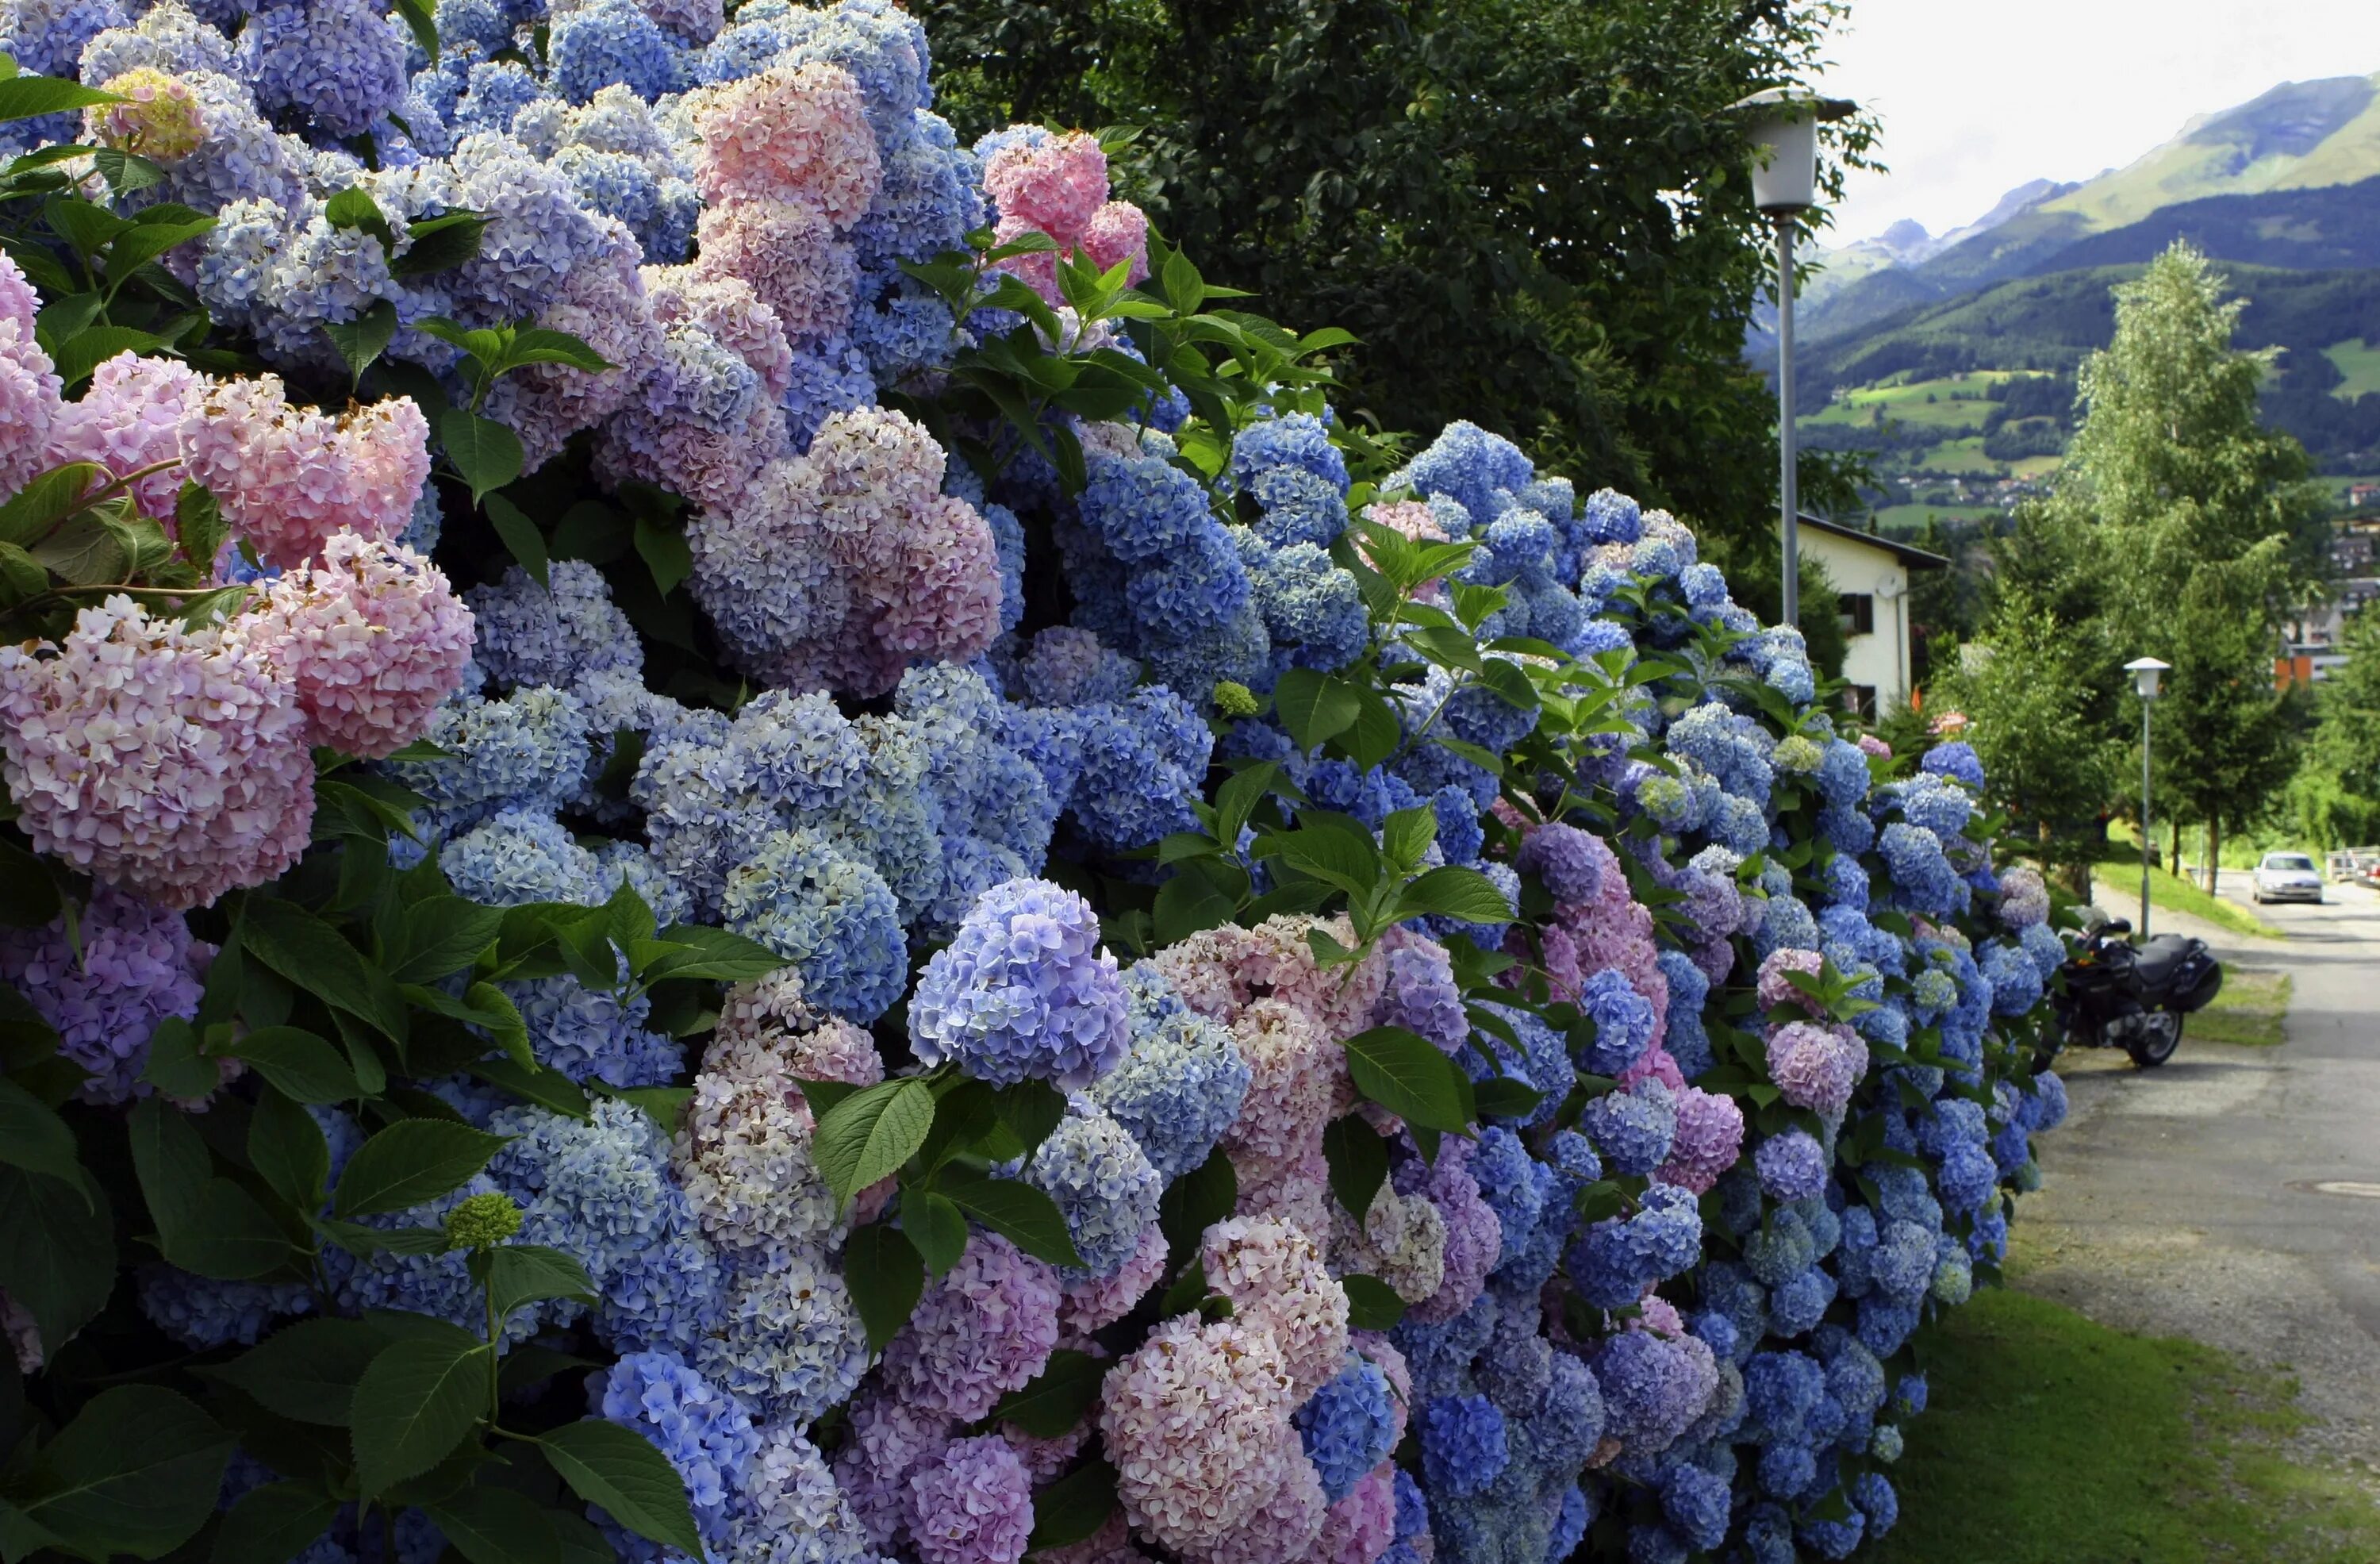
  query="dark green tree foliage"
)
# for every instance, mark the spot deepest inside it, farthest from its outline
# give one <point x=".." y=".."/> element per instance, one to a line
<point x="1534" y="214"/>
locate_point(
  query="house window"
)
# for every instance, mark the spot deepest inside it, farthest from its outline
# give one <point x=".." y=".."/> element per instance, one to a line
<point x="1860" y="701"/>
<point x="1858" y="612"/>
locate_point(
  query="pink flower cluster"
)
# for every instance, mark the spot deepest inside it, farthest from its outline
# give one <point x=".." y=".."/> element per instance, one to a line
<point x="1058" y="186"/>
<point x="168" y="761"/>
<point x="130" y="417"/>
<point x="838" y="568"/>
<point x="1817" y="1066"/>
<point x="1710" y="1132"/>
<point x="792" y="133"/>
<point x="29" y="384"/>
<point x="1274" y="1276"/>
<point x="743" y="1155"/>
<point x="985" y="1327"/>
<point x="1773" y="988"/>
<point x="372" y="637"/>
<point x="1196" y="1422"/>
<point x="288" y="478"/>
<point x="1607" y="928"/>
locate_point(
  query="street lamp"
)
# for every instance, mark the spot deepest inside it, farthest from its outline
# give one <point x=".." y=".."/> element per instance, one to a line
<point x="2146" y="672"/>
<point x="1783" y="122"/>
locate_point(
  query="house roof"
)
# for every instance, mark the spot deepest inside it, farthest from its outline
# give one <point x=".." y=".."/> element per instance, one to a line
<point x="1911" y="557"/>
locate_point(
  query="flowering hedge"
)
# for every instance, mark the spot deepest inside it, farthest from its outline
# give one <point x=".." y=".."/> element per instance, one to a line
<point x="728" y="838"/>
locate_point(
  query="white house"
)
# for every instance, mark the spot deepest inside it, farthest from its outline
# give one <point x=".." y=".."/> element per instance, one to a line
<point x="1871" y="577"/>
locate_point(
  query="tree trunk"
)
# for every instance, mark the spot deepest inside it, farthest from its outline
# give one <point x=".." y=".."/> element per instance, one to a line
<point x="2214" y="853"/>
<point x="2173" y="848"/>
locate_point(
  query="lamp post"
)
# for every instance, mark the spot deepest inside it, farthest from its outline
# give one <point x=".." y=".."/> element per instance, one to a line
<point x="1783" y="122"/>
<point x="2146" y="672"/>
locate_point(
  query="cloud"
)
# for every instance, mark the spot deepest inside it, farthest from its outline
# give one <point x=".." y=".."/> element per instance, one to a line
<point x="1977" y="100"/>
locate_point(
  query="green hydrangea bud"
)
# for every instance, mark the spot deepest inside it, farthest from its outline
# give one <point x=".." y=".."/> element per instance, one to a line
<point x="1798" y="754"/>
<point x="1234" y="700"/>
<point x="482" y="1221"/>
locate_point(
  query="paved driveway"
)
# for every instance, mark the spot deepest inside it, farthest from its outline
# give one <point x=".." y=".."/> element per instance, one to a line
<point x="2234" y="1194"/>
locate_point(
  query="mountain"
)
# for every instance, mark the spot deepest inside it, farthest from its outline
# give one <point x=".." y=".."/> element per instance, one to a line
<point x="2301" y="137"/>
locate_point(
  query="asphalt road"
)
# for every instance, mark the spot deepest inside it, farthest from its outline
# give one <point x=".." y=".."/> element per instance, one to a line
<point x="2233" y="1195"/>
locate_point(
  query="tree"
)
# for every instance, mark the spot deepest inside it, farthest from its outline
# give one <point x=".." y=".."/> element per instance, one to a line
<point x="2048" y="763"/>
<point x="2179" y="528"/>
<point x="1534" y="213"/>
<point x="2335" y="798"/>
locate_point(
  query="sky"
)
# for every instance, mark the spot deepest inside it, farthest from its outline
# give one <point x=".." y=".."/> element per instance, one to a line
<point x="1977" y="100"/>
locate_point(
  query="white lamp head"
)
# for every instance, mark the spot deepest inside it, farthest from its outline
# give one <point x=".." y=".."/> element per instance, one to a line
<point x="2146" y="672"/>
<point x="1783" y="122"/>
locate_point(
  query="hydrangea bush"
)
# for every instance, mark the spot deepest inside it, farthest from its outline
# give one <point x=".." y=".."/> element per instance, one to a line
<point x="732" y="836"/>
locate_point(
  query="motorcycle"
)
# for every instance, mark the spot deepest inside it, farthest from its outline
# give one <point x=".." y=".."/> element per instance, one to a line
<point x="2119" y="995"/>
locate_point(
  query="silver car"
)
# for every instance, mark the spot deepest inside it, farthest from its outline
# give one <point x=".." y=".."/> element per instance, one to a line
<point x="2287" y="876"/>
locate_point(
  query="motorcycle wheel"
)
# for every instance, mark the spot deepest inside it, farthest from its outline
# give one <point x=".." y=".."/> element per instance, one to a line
<point x="2156" y="1042"/>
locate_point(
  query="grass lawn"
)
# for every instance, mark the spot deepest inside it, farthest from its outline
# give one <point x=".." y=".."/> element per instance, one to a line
<point x="1907" y="520"/>
<point x="2360" y="362"/>
<point x="2247" y="1013"/>
<point x="2053" y="1440"/>
<point x="2121" y="868"/>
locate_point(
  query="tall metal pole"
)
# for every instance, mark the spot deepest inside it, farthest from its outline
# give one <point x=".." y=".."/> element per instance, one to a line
<point x="2145" y="818"/>
<point x="1789" y="484"/>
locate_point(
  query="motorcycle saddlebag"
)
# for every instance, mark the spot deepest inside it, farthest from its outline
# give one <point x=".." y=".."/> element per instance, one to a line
<point x="2198" y="987"/>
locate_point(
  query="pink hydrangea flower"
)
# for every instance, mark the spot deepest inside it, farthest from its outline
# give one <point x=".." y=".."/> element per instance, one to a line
<point x="374" y="640"/>
<point x="714" y="470"/>
<point x="131" y="417"/>
<point x="1475" y="1238"/>
<point x="788" y="252"/>
<point x="1710" y="1132"/>
<point x="1274" y="1276"/>
<point x="971" y="1504"/>
<point x="890" y="1439"/>
<point x="732" y="312"/>
<point x="1055" y="184"/>
<point x="1283" y="1528"/>
<point x="1774" y="989"/>
<point x="159" y="119"/>
<point x="1193" y="1421"/>
<point x="768" y="1031"/>
<point x="1362" y="1525"/>
<point x="948" y="607"/>
<point x="1816" y="1066"/>
<point x="985" y="1328"/>
<point x="288" y="478"/>
<point x="1118" y="233"/>
<point x="1290" y="1086"/>
<point x="602" y="304"/>
<point x="165" y="761"/>
<point x="791" y="133"/>
<point x="743" y="1157"/>
<point x="1096" y="1302"/>
<point x="1402" y="1240"/>
<point x="1296" y="1193"/>
<point x="29" y="383"/>
<point x="1219" y="971"/>
<point x="1875" y="746"/>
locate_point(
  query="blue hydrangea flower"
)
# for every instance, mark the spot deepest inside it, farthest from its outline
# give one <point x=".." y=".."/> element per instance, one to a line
<point x="1023" y="992"/>
<point x="1097" y="1175"/>
<point x="1463" y="1448"/>
<point x="697" y="1426"/>
<point x="830" y="915"/>
<point x="1349" y="1425"/>
<point x="1180" y="1083"/>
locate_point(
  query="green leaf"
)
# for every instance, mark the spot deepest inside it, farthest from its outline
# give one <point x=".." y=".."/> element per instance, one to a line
<point x="297" y="1064"/>
<point x="521" y="536"/>
<point x="548" y="1089"/>
<point x="358" y="1239"/>
<point x="57" y="1254"/>
<point x="489" y="456"/>
<point x="289" y="1151"/>
<point x="609" y="1465"/>
<point x="1510" y="681"/>
<point x="362" y="341"/>
<point x="199" y="523"/>
<point x="717" y="956"/>
<point x="870" y="1133"/>
<point x="936" y="1228"/>
<point x="28" y="896"/>
<point x="665" y="554"/>
<point x="492" y="1525"/>
<point x="1343" y="859"/>
<point x="415" y="1401"/>
<point x="35" y="1138"/>
<point x="540" y="346"/>
<point x="1197" y="1201"/>
<point x="144" y="242"/>
<point x="1058" y="1397"/>
<point x="1372" y="1305"/>
<point x="441" y="243"/>
<point x="1458" y="892"/>
<point x="83" y="551"/>
<point x="94" y="345"/>
<point x="1358" y="1159"/>
<point x="532" y="1363"/>
<point x="1015" y="1210"/>
<point x="419" y="18"/>
<point x="886" y="1277"/>
<point x="312" y="954"/>
<point x="354" y="208"/>
<point x="441" y="935"/>
<point x="45" y="501"/>
<point x="529" y="1273"/>
<point x="411" y="1162"/>
<point x="176" y="1067"/>
<point x="273" y="1524"/>
<point x="136" y="1472"/>
<point x="307" y="1371"/>
<point x="1500" y="1096"/>
<point x="1074" y="1508"/>
<point x="1031" y="1109"/>
<point x="1375" y="734"/>
<point x="205" y="1223"/>
<point x="1189" y="902"/>
<point x="1315" y="707"/>
<point x="1409" y="1077"/>
<point x="22" y="97"/>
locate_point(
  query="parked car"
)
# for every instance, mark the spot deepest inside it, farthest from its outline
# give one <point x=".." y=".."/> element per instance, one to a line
<point x="2354" y="863"/>
<point x="2287" y="876"/>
